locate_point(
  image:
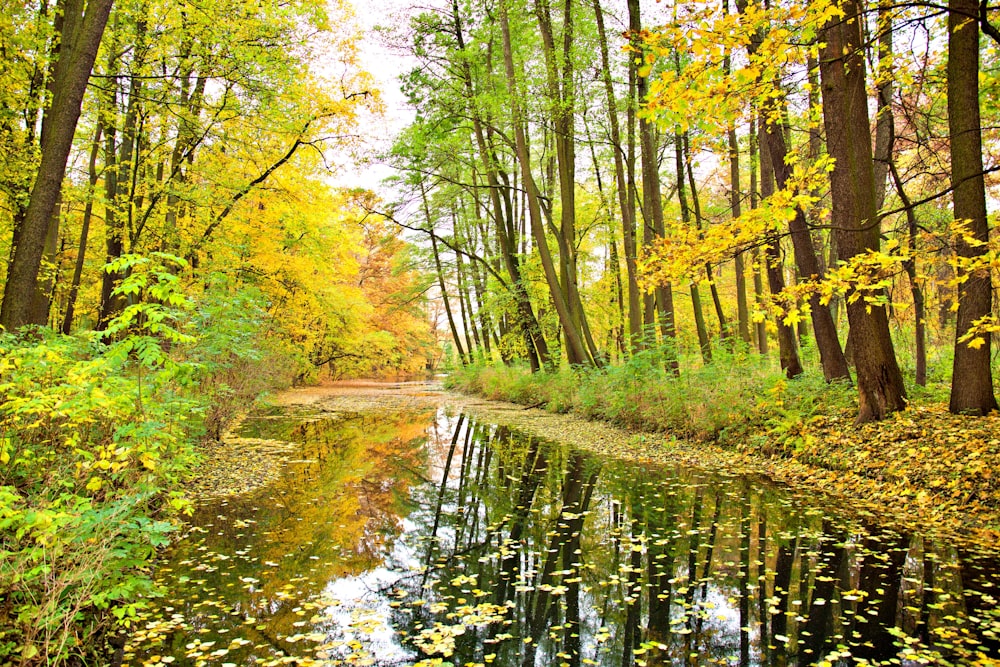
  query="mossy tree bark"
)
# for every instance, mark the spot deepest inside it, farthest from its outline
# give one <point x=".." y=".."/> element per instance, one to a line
<point x="81" y="37"/>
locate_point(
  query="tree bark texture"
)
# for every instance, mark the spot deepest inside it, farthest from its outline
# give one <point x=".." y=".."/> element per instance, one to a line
<point x="971" y="379"/>
<point x="81" y="38"/>
<point x="855" y="217"/>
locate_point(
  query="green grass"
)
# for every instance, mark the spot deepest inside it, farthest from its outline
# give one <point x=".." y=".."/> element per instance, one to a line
<point x="735" y="397"/>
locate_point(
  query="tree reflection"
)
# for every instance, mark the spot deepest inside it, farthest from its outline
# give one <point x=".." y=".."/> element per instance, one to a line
<point x="497" y="547"/>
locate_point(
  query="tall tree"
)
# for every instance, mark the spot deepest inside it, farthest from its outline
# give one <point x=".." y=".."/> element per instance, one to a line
<point x="574" y="339"/>
<point x="624" y="186"/>
<point x="652" y="206"/>
<point x="971" y="379"/>
<point x="80" y="39"/>
<point x="855" y="216"/>
<point x="773" y="141"/>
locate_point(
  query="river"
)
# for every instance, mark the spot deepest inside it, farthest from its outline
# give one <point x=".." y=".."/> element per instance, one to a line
<point x="404" y="530"/>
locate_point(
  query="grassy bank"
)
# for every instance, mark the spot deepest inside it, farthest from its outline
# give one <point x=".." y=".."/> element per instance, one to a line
<point x="921" y="466"/>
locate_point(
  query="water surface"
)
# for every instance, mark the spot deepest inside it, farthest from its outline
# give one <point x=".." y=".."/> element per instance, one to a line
<point x="395" y="536"/>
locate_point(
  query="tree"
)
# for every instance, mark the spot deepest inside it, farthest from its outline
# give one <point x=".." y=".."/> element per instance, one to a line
<point x="971" y="379"/>
<point x="855" y="216"/>
<point x="80" y="38"/>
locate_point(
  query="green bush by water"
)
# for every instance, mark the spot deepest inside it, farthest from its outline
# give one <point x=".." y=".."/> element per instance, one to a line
<point x="97" y="433"/>
<point x="736" y="397"/>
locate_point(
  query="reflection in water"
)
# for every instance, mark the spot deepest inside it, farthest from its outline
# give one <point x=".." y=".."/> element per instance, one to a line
<point x="398" y="537"/>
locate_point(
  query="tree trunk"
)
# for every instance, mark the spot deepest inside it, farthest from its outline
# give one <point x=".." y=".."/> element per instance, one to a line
<point x="538" y="350"/>
<point x="41" y="300"/>
<point x="884" y="138"/>
<point x="704" y="342"/>
<point x="578" y="349"/>
<point x="626" y="201"/>
<point x="788" y="352"/>
<point x="775" y="145"/>
<point x="463" y="358"/>
<point x="81" y="39"/>
<point x="971" y="378"/>
<point x="88" y="211"/>
<point x="653" y="207"/>
<point x="760" y="330"/>
<point x="855" y="219"/>
<point x="830" y="353"/>
<point x="713" y="289"/>
<point x="562" y="101"/>
<point x="742" y="306"/>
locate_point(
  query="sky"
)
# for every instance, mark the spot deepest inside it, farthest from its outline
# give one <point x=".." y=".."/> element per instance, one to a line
<point x="385" y="64"/>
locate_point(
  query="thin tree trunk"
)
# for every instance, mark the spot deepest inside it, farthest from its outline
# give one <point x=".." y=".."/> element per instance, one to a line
<point x="760" y="330"/>
<point x="704" y="342"/>
<point x="788" y="352"/>
<point x="742" y="306"/>
<point x="88" y="211"/>
<point x="713" y="289"/>
<point x="916" y="292"/>
<point x="440" y="276"/>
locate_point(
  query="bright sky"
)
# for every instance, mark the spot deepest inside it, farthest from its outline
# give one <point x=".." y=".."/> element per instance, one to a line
<point x="385" y="65"/>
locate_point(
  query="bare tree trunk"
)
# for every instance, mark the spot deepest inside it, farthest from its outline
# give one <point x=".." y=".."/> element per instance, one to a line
<point x="971" y="378"/>
<point x="81" y="38"/>
<point x="855" y="218"/>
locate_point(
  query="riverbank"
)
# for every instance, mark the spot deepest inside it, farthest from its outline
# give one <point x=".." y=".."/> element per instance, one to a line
<point x="922" y="469"/>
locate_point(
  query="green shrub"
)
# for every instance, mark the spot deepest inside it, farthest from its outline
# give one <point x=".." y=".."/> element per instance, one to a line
<point x="97" y="432"/>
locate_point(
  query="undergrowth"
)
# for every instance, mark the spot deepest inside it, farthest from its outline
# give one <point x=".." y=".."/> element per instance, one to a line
<point x="733" y="400"/>
<point x="97" y="433"/>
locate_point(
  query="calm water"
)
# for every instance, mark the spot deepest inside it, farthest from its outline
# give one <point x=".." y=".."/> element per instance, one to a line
<point x="397" y="537"/>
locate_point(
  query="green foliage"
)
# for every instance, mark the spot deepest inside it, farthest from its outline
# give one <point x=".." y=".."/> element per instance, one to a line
<point x="86" y="469"/>
<point x="97" y="432"/>
<point x="738" y="395"/>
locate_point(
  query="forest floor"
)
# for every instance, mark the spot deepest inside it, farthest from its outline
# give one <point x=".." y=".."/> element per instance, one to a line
<point x="922" y="469"/>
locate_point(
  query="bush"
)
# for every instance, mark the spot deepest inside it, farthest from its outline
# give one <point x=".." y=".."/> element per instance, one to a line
<point x="97" y="433"/>
<point x="92" y="444"/>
